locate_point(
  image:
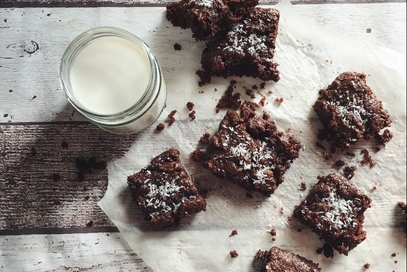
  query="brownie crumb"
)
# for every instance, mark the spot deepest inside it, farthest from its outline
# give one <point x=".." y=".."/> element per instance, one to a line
<point x="262" y="85"/>
<point x="338" y="164"/>
<point x="279" y="100"/>
<point x="233" y="233"/>
<point x="171" y="117"/>
<point x="192" y="115"/>
<point x="204" y="77"/>
<point x="229" y="100"/>
<point x="205" y="138"/>
<point x="367" y="159"/>
<point x="160" y="127"/>
<point x="394" y="254"/>
<point x="177" y="46"/>
<point x="327" y="250"/>
<point x="251" y="105"/>
<point x="350" y="154"/>
<point x="366" y="265"/>
<point x="349" y="172"/>
<point x="250" y="93"/>
<point x="303" y="186"/>
<point x="382" y="139"/>
<point x="190" y="106"/>
<point x="197" y="155"/>
<point x="233" y="254"/>
<point x="273" y="232"/>
<point x="266" y="116"/>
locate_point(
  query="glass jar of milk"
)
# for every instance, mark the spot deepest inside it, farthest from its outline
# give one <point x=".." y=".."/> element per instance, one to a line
<point x="112" y="78"/>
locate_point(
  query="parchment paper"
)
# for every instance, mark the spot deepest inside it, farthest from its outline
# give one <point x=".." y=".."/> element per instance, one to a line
<point x="309" y="59"/>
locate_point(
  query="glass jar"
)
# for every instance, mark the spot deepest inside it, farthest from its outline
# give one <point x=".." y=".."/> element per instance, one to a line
<point x="112" y="78"/>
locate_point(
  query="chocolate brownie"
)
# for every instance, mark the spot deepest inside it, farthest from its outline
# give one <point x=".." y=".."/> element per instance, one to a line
<point x="349" y="110"/>
<point x="206" y="18"/>
<point x="403" y="207"/>
<point x="246" y="48"/>
<point x="251" y="152"/>
<point x="334" y="209"/>
<point x="164" y="191"/>
<point x="280" y="260"/>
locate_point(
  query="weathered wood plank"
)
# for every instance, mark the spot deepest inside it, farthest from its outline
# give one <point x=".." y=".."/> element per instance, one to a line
<point x="104" y="252"/>
<point x="39" y="98"/>
<point x="159" y="3"/>
<point x="40" y="183"/>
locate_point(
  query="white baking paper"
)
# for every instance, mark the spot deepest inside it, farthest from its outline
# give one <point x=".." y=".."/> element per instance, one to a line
<point x="309" y="59"/>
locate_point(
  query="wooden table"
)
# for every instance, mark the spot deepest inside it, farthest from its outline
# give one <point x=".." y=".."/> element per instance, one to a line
<point x="49" y="217"/>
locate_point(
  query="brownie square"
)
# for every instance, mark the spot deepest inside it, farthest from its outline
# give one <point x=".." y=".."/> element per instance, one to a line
<point x="334" y="209"/>
<point x="246" y="48"/>
<point x="279" y="260"/>
<point x="349" y="110"/>
<point x="164" y="191"/>
<point x="205" y="18"/>
<point x="251" y="152"/>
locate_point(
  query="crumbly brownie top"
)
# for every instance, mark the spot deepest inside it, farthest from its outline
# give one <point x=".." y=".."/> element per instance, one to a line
<point x="251" y="152"/>
<point x="246" y="48"/>
<point x="279" y="260"/>
<point x="334" y="209"/>
<point x="349" y="110"/>
<point x="206" y="18"/>
<point x="164" y="191"/>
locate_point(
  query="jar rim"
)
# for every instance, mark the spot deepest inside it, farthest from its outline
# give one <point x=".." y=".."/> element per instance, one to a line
<point x="140" y="106"/>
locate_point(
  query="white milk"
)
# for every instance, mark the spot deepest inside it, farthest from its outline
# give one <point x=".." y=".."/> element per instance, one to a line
<point x="109" y="75"/>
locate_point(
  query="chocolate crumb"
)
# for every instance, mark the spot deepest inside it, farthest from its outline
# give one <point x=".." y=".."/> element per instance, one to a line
<point x="262" y="85"/>
<point x="177" y="46"/>
<point x="279" y="100"/>
<point x="160" y="127"/>
<point x="205" y="77"/>
<point x="250" y="93"/>
<point x="205" y="138"/>
<point x="303" y="186"/>
<point x="192" y="115"/>
<point x="327" y="250"/>
<point x="338" y="164"/>
<point x="403" y="207"/>
<point x="272" y="232"/>
<point x="266" y="116"/>
<point x="367" y="159"/>
<point x="263" y="101"/>
<point x="393" y="254"/>
<point x="384" y="138"/>
<point x="190" y="106"/>
<point x="233" y="254"/>
<point x="349" y="172"/>
<point x="34" y="97"/>
<point x="229" y="100"/>
<point x="233" y="233"/>
<point x="254" y="87"/>
<point x="171" y="117"/>
<point x="197" y="155"/>
<point x="366" y="265"/>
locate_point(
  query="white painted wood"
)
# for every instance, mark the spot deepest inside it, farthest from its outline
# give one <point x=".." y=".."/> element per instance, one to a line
<point x="68" y="252"/>
<point x="29" y="83"/>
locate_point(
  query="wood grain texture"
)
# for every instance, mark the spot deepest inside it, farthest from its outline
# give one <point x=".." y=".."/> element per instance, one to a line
<point x="151" y="3"/>
<point x="40" y="184"/>
<point x="104" y="252"/>
<point x="33" y="41"/>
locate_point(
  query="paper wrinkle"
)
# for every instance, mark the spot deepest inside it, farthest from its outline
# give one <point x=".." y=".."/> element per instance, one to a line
<point x="309" y="60"/>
